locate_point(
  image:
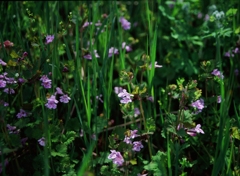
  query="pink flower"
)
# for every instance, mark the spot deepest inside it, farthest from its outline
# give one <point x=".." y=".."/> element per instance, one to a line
<point x="6" y="44"/>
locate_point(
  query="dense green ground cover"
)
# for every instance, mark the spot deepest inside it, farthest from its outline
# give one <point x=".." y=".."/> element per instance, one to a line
<point x="117" y="88"/>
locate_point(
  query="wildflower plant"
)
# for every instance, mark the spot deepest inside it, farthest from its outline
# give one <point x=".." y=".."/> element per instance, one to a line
<point x="119" y="88"/>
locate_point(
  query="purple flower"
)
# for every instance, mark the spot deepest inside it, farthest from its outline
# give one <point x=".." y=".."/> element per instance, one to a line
<point x="227" y="54"/>
<point x="2" y="63"/>
<point x="127" y="140"/>
<point x="134" y="134"/>
<point x="194" y="131"/>
<point x="112" y="51"/>
<point x="46" y="82"/>
<point x="49" y="39"/>
<point x="10" y="80"/>
<point x="118" y="90"/>
<point x="86" y="24"/>
<point x="125" y="97"/>
<point x="124" y="93"/>
<point x="2" y="83"/>
<point x="125" y="24"/>
<point x="199" y="104"/>
<point x="59" y="91"/>
<point x="21" y="80"/>
<point x="65" y="98"/>
<point x="52" y="102"/>
<point x="116" y="157"/>
<point x="128" y="48"/>
<point x="219" y="99"/>
<point x="150" y="98"/>
<point x="41" y="141"/>
<point x="217" y="73"/>
<point x="136" y="112"/>
<point x="126" y="100"/>
<point x="9" y="91"/>
<point x="21" y="114"/>
<point x="12" y="129"/>
<point x="137" y="145"/>
<point x="236" y="50"/>
<point x="89" y="56"/>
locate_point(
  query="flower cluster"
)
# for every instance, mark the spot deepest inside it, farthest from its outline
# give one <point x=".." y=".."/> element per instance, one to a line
<point x="232" y="54"/>
<point x="126" y="97"/>
<point x="4" y="81"/>
<point x="137" y="145"/>
<point x="52" y="101"/>
<point x="217" y="73"/>
<point x="116" y="157"/>
<point x="12" y="129"/>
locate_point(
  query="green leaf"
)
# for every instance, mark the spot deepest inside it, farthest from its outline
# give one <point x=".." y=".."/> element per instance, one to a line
<point x="231" y="12"/>
<point x="14" y="55"/>
<point x="69" y="137"/>
<point x="235" y="133"/>
<point x="150" y="125"/>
